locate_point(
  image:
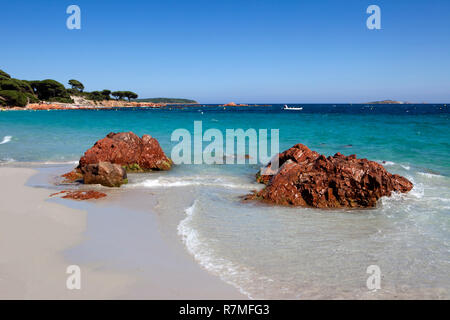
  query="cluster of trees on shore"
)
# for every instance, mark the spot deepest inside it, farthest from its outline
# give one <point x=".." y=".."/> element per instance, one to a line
<point x="78" y="90"/>
<point x="15" y="92"/>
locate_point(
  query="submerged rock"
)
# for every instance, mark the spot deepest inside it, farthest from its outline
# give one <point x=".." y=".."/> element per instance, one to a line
<point x="128" y="150"/>
<point x="307" y="178"/>
<point x="104" y="173"/>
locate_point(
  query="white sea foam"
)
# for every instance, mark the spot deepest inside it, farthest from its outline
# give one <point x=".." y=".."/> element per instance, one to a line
<point x="418" y="190"/>
<point x="430" y="175"/>
<point x="60" y="162"/>
<point x="7" y="160"/>
<point x="392" y="163"/>
<point x="6" y="139"/>
<point x="174" y="182"/>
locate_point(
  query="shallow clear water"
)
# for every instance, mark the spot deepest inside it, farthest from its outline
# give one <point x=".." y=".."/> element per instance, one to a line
<point x="280" y="252"/>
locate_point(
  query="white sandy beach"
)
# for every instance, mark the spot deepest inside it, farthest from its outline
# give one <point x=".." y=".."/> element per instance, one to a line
<point x="35" y="234"/>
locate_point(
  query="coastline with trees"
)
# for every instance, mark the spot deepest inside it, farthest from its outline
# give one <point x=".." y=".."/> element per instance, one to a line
<point x="19" y="94"/>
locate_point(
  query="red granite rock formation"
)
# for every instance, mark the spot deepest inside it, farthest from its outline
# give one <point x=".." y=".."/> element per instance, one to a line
<point x="128" y="150"/>
<point x="306" y="178"/>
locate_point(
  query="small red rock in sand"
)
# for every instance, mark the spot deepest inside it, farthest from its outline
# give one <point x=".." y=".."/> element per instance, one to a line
<point x="80" y="195"/>
<point x="73" y="176"/>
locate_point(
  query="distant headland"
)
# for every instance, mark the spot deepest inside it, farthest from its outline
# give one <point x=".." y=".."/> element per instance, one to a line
<point x="51" y="94"/>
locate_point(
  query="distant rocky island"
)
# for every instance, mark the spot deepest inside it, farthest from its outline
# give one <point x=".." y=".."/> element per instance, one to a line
<point x="233" y="104"/>
<point x="386" y="102"/>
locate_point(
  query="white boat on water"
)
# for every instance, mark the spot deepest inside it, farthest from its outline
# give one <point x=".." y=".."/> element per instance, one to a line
<point x="292" y="108"/>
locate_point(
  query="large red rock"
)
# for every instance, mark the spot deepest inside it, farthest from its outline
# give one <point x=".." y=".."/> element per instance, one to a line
<point x="129" y="151"/>
<point x="306" y="178"/>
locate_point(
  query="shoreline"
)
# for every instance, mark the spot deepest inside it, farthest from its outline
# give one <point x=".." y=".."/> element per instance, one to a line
<point x="43" y="236"/>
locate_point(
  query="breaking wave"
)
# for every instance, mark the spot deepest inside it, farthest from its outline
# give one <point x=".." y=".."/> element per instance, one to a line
<point x="172" y="182"/>
<point x="429" y="175"/>
<point x="7" y="160"/>
<point x="228" y="271"/>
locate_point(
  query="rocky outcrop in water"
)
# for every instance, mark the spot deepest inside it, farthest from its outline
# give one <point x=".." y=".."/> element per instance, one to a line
<point x="307" y="178"/>
<point x="109" y="160"/>
<point x="230" y="104"/>
<point x="128" y="150"/>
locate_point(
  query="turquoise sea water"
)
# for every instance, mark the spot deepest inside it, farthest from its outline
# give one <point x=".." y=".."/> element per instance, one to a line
<point x="416" y="134"/>
<point x="279" y="252"/>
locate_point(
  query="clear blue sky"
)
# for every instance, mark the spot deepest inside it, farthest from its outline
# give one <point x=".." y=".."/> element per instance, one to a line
<point x="242" y="51"/>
